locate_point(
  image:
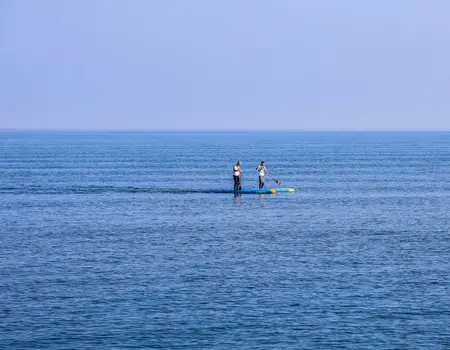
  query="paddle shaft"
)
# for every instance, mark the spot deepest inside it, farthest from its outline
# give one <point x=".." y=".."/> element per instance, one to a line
<point x="278" y="182"/>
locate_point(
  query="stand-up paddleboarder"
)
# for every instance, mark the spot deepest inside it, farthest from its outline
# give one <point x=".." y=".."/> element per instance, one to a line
<point x="237" y="176"/>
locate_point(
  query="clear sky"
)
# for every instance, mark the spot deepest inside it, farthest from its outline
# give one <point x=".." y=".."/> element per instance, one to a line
<point x="234" y="64"/>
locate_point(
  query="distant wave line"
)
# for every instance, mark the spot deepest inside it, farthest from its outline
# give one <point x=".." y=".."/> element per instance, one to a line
<point x="308" y="190"/>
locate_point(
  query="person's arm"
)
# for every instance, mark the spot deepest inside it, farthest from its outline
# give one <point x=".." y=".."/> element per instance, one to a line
<point x="265" y="170"/>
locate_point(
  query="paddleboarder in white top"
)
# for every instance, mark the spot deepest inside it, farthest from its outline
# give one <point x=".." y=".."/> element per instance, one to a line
<point x="261" y="169"/>
<point x="237" y="175"/>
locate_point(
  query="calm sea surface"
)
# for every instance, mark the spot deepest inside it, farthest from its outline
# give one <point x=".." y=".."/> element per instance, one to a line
<point x="105" y="245"/>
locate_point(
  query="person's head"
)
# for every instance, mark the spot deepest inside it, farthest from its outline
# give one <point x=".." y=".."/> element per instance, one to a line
<point x="238" y="163"/>
<point x="262" y="162"/>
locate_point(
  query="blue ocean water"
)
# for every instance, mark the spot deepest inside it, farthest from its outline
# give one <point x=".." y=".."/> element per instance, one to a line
<point x="105" y="243"/>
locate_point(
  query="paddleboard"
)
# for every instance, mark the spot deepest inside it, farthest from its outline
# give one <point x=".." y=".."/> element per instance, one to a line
<point x="256" y="191"/>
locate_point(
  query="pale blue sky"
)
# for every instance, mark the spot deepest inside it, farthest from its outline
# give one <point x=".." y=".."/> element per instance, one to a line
<point x="279" y="64"/>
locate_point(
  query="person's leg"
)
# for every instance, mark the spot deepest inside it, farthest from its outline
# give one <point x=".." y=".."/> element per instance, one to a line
<point x="261" y="182"/>
<point x="236" y="182"/>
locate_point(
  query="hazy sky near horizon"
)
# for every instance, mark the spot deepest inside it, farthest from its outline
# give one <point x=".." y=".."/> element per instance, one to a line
<point x="279" y="64"/>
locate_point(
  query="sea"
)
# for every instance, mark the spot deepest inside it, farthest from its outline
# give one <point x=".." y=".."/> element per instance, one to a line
<point x="113" y="240"/>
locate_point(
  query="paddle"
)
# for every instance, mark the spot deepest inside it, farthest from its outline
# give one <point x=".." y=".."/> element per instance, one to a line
<point x="278" y="182"/>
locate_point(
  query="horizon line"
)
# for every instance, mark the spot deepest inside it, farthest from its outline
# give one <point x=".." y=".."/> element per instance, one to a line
<point x="213" y="130"/>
